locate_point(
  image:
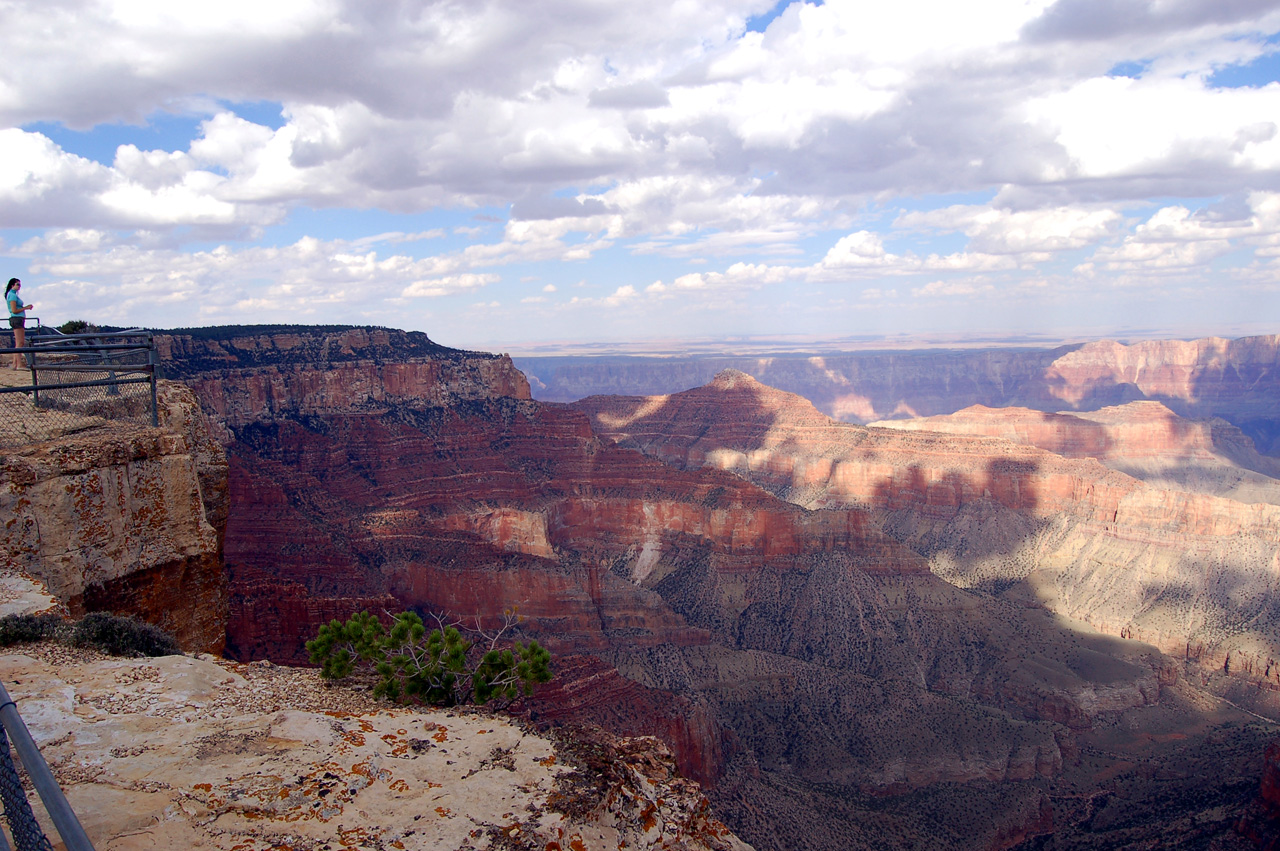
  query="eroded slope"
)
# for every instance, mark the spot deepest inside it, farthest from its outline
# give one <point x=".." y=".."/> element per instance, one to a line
<point x="817" y="655"/>
<point x="1194" y="574"/>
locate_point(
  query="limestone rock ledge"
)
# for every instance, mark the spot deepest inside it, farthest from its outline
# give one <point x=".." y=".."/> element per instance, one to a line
<point x="125" y="518"/>
<point x="182" y="752"/>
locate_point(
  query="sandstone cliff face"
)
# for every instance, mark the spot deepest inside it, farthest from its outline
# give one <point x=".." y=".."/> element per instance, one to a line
<point x="1089" y="542"/>
<point x="1233" y="379"/>
<point x="125" y="519"/>
<point x="1193" y="376"/>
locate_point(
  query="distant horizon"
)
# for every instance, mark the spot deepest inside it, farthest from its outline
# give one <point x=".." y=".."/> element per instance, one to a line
<point x="852" y="343"/>
<point x="781" y="344"/>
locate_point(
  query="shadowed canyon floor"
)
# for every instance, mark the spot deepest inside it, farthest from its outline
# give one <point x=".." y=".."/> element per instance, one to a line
<point x="858" y="638"/>
<point x="1033" y="526"/>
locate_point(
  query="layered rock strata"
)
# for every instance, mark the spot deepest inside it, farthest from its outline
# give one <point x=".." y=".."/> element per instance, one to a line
<point x="772" y="645"/>
<point x="1143" y="439"/>
<point x="125" y="518"/>
<point x="1192" y="574"/>
<point x="268" y="373"/>
<point x="599" y="548"/>
<point x="1233" y="379"/>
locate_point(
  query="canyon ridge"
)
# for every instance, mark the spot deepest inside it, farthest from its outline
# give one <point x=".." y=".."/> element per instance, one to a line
<point x="1002" y="627"/>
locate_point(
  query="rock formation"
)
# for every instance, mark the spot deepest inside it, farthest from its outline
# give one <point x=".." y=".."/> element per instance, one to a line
<point x="1232" y="379"/>
<point x="779" y="647"/>
<point x="283" y="372"/>
<point x="1143" y="439"/>
<point x="125" y="518"/>
<point x="1192" y="574"/>
<point x="759" y="585"/>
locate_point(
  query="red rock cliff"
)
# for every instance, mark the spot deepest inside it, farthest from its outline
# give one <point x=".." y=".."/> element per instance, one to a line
<point x="743" y="628"/>
<point x="260" y="376"/>
<point x="1143" y="439"/>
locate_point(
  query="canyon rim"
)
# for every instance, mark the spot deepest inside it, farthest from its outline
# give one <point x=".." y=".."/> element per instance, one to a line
<point x="1048" y="620"/>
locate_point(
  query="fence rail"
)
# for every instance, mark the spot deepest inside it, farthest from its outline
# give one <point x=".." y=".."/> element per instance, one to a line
<point x="76" y="381"/>
<point x="23" y="827"/>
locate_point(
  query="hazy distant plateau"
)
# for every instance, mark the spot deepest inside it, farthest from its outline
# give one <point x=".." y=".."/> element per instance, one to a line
<point x="1235" y="380"/>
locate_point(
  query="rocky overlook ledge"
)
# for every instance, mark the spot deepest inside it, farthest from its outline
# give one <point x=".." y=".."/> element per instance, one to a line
<point x="122" y="517"/>
<point x="182" y="752"/>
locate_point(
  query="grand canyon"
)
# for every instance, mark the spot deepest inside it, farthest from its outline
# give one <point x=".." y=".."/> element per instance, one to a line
<point x="984" y="599"/>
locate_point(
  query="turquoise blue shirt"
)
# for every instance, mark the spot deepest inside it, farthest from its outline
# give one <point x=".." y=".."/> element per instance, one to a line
<point x="15" y="304"/>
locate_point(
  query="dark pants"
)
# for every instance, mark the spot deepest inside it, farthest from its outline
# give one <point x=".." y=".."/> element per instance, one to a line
<point x="17" y="323"/>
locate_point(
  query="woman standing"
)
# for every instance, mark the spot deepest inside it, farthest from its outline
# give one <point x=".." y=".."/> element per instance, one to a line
<point x="17" y="319"/>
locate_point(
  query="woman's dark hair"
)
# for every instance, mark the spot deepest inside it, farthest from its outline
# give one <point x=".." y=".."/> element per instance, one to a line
<point x="13" y="282"/>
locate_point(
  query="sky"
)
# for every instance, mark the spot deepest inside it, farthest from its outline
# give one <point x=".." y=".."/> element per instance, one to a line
<point x="508" y="174"/>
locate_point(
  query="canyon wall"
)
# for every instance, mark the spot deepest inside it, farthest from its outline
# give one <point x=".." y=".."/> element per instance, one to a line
<point x="1143" y="439"/>
<point x="855" y="637"/>
<point x="774" y="646"/>
<point x="265" y="373"/>
<point x="1191" y="573"/>
<point x="1238" y="380"/>
<point x="125" y="518"/>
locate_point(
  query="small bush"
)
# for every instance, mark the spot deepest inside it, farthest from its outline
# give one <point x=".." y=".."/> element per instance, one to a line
<point x="76" y="326"/>
<point x="16" y="628"/>
<point x="441" y="667"/>
<point x="123" y="636"/>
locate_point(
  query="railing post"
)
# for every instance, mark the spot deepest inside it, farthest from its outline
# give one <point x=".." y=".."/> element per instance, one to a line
<point x="55" y="803"/>
<point x="30" y="358"/>
<point x="155" y="407"/>
<point x="153" y="358"/>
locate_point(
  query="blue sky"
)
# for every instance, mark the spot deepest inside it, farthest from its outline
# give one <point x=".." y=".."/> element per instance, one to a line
<point x="510" y="174"/>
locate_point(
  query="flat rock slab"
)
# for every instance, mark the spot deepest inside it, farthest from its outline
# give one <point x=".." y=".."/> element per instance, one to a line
<point x="182" y="752"/>
<point x="21" y="594"/>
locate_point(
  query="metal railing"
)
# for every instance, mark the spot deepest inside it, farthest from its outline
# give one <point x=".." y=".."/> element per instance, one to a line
<point x="75" y="381"/>
<point x="23" y="827"/>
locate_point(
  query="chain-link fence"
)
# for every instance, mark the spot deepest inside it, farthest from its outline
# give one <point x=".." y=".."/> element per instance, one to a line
<point x="26" y="832"/>
<point x="23" y="827"/>
<point x="73" y="382"/>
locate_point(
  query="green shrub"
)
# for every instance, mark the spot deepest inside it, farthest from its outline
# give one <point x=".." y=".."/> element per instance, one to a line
<point x="123" y="636"/>
<point x="76" y="326"/>
<point x="16" y="628"/>
<point x="441" y="667"/>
